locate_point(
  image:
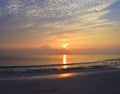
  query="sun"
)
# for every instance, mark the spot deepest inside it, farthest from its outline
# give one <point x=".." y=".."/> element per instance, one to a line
<point x="65" y="45"/>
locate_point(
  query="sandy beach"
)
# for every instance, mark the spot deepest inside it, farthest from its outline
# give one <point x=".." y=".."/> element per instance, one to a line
<point x="105" y="82"/>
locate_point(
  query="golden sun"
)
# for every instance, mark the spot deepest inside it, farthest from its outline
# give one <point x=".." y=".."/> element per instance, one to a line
<point x="65" y="45"/>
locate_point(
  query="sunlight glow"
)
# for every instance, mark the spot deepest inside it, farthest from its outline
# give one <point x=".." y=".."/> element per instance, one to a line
<point x="65" y="45"/>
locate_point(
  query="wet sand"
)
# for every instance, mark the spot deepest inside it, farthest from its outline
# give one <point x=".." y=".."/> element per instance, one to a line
<point x="69" y="83"/>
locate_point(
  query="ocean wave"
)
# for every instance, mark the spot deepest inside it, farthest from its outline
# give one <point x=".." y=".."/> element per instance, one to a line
<point x="23" y="71"/>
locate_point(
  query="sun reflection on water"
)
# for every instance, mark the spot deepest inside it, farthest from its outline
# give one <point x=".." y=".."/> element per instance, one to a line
<point x="66" y="75"/>
<point x="64" y="61"/>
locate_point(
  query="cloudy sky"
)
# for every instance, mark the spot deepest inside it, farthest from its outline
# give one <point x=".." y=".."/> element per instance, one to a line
<point x="82" y="24"/>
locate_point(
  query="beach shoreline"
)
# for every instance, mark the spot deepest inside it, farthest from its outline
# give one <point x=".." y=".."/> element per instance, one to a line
<point x="105" y="82"/>
<point x="102" y="77"/>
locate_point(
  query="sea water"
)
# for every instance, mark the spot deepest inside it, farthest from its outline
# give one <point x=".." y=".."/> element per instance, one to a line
<point x="51" y="59"/>
<point x="25" y="66"/>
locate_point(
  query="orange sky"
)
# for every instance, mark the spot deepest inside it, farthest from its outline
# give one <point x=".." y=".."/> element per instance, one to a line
<point x="58" y="24"/>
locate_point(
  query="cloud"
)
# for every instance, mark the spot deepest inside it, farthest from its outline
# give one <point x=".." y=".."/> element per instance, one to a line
<point x="59" y="11"/>
<point x="55" y="8"/>
<point x="50" y="19"/>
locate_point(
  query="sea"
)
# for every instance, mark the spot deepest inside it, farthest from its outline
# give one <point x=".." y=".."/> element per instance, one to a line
<point x="34" y="60"/>
<point x="24" y="66"/>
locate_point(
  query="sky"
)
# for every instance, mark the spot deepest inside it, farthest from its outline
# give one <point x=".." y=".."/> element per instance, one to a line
<point x="78" y="26"/>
